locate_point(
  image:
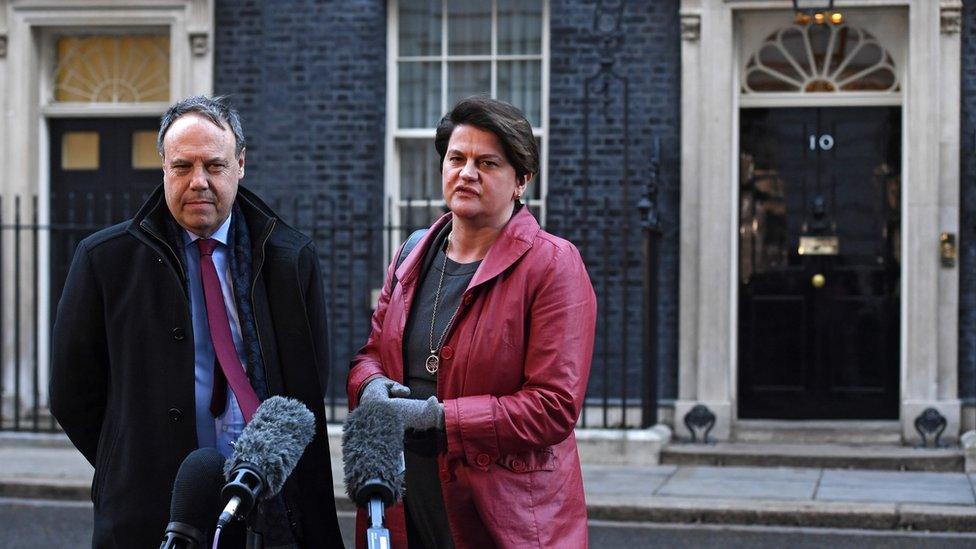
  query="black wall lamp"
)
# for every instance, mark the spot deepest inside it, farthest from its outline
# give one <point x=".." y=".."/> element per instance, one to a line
<point x="816" y="11"/>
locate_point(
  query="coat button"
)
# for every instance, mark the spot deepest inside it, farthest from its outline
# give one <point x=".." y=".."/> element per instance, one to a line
<point x="447" y="353"/>
<point x="175" y="414"/>
<point x="179" y="334"/>
<point x="518" y="465"/>
<point x="467" y="299"/>
<point x="482" y="460"/>
<point x="445" y="477"/>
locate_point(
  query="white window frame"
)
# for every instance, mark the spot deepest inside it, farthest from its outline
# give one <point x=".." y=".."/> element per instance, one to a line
<point x="392" y="201"/>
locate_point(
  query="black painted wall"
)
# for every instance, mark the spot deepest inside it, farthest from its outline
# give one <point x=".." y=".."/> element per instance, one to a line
<point x="310" y="81"/>
<point x="309" y="78"/>
<point x="967" y="226"/>
<point x="614" y="109"/>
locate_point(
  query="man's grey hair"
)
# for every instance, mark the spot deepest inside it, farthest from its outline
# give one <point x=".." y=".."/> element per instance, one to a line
<point x="214" y="109"/>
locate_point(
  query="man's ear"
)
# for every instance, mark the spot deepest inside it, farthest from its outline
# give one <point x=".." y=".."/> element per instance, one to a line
<point x="240" y="163"/>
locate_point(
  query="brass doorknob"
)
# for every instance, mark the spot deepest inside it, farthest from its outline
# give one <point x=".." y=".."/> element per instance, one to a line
<point x="818" y="280"/>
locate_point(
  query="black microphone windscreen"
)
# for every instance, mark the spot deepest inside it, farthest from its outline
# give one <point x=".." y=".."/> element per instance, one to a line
<point x="274" y="441"/>
<point x="372" y="449"/>
<point x="196" y="490"/>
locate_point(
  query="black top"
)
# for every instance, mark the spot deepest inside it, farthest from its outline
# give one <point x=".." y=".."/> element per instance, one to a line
<point x="426" y="519"/>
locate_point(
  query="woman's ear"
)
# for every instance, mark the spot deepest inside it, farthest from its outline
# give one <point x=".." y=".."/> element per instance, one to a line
<point x="520" y="185"/>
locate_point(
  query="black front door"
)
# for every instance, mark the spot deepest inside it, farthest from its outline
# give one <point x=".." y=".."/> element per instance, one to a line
<point x="102" y="169"/>
<point x="819" y="263"/>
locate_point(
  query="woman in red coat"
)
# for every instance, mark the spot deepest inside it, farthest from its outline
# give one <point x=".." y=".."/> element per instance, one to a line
<point x="483" y="345"/>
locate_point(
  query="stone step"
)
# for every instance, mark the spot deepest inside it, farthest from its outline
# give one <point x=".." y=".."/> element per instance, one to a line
<point x="830" y="456"/>
<point x="818" y="432"/>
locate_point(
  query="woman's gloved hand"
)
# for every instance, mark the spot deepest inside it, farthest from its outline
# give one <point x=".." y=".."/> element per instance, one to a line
<point x="380" y="389"/>
<point x="419" y="415"/>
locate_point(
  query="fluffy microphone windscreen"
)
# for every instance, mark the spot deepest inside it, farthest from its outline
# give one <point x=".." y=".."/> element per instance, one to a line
<point x="372" y="449"/>
<point x="196" y="490"/>
<point x="274" y="440"/>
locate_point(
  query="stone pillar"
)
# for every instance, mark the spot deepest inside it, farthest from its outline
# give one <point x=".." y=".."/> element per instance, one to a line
<point x="707" y="205"/>
<point x="931" y="204"/>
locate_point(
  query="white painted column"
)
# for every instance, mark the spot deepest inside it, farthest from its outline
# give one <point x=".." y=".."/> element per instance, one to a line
<point x="931" y="206"/>
<point x="706" y="358"/>
<point x="690" y="203"/>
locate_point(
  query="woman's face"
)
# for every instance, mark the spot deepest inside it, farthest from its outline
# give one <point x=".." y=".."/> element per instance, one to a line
<point x="479" y="184"/>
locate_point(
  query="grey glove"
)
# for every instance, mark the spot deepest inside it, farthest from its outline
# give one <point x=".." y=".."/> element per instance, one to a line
<point x="380" y="389"/>
<point x="419" y="415"/>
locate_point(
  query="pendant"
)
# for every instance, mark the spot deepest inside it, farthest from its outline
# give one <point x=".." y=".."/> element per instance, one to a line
<point x="433" y="362"/>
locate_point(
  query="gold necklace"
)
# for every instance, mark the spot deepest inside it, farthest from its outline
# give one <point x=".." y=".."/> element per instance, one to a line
<point x="434" y="360"/>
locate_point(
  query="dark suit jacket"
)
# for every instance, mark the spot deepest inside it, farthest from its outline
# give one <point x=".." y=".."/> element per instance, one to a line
<point x="122" y="378"/>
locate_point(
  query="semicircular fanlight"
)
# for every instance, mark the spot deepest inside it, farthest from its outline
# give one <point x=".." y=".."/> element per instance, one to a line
<point x="820" y="59"/>
<point x="112" y="69"/>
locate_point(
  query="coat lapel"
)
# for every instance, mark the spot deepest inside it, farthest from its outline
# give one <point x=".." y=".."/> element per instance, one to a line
<point x="515" y="239"/>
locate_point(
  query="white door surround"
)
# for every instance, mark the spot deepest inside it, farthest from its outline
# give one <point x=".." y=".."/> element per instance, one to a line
<point x="925" y="34"/>
<point x="28" y="29"/>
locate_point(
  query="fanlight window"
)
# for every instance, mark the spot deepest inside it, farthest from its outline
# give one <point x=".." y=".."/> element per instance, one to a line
<point x="820" y="58"/>
<point x="112" y="69"/>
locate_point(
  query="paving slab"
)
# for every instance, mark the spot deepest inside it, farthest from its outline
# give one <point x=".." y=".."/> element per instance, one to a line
<point x="746" y="511"/>
<point x="44" y="462"/>
<point x="742" y="482"/>
<point x="896" y="487"/>
<point x="625" y="481"/>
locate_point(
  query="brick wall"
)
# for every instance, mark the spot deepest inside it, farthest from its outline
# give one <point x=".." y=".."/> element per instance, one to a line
<point x="309" y="78"/>
<point x="967" y="228"/>
<point x="614" y="103"/>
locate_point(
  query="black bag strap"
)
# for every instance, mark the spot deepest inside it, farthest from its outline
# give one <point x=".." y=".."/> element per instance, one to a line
<point x="408" y="246"/>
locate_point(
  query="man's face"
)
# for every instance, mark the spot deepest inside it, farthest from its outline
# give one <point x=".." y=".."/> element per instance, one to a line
<point x="200" y="173"/>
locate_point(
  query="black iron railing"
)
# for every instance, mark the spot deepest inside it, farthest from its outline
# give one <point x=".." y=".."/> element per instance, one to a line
<point x="354" y="246"/>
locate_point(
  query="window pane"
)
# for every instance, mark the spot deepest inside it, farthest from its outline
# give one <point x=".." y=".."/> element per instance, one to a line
<point x="79" y="151"/>
<point x="519" y="27"/>
<point x="469" y="28"/>
<point x="420" y="27"/>
<point x="467" y="78"/>
<point x="144" y="154"/>
<point x="419" y="217"/>
<point x="112" y="69"/>
<point x="419" y="94"/>
<point x="520" y="83"/>
<point x="420" y="178"/>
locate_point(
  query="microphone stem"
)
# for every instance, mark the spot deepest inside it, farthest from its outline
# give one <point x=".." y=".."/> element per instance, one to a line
<point x="229" y="512"/>
<point x="376" y="511"/>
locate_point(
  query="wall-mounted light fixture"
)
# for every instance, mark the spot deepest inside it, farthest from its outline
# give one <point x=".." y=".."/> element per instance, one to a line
<point x="816" y="11"/>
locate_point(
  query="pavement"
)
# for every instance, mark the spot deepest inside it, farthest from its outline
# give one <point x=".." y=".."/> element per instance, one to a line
<point x="48" y="467"/>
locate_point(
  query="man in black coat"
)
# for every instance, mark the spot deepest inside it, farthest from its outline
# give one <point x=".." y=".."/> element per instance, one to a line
<point x="134" y="381"/>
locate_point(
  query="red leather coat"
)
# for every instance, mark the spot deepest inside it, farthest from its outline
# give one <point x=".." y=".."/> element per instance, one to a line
<point x="512" y="378"/>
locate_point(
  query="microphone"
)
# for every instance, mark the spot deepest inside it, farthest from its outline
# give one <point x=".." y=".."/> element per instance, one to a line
<point x="265" y="454"/>
<point x="196" y="497"/>
<point x="372" y="463"/>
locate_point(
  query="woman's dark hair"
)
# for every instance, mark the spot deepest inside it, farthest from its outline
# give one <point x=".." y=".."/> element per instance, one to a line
<point x="499" y="118"/>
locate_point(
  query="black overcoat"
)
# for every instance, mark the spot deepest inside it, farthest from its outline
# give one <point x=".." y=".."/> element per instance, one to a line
<point x="122" y="373"/>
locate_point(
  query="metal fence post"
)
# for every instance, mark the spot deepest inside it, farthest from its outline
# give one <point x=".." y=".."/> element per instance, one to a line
<point x="651" y="232"/>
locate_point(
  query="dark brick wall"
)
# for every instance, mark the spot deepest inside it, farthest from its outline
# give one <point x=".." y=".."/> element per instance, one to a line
<point x="614" y="104"/>
<point x="967" y="226"/>
<point x="309" y="78"/>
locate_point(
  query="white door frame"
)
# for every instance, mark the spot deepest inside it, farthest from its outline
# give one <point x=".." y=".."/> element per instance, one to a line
<point x="27" y="28"/>
<point x="709" y="212"/>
